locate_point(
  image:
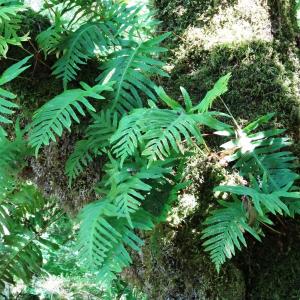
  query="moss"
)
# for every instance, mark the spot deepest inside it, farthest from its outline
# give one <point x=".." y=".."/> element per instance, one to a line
<point x="261" y="82"/>
<point x="212" y="38"/>
<point x="176" y="268"/>
<point x="272" y="269"/>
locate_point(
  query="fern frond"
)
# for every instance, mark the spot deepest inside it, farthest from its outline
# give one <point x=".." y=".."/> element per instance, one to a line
<point x="21" y="258"/>
<point x="121" y="18"/>
<point x="104" y="233"/>
<point x="129" y="134"/>
<point x="7" y="107"/>
<point x="225" y="232"/>
<point x="118" y="258"/>
<point x="134" y="65"/>
<point x="58" y="113"/>
<point x="128" y="184"/>
<point x="167" y="134"/>
<point x="270" y="176"/>
<point x="12" y="152"/>
<point x="263" y="202"/>
<point x="79" y="47"/>
<point x="98" y="136"/>
<point x="50" y="39"/>
<point x="159" y="132"/>
<point x="220" y="88"/>
<point x="10" y="24"/>
<point x="261" y="153"/>
<point x="22" y="224"/>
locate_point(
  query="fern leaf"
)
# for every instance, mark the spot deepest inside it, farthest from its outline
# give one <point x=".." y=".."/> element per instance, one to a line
<point x="50" y="39"/>
<point x="20" y="252"/>
<point x="10" y="25"/>
<point x="220" y="88"/>
<point x="128" y="185"/>
<point x="225" y="232"/>
<point x="104" y="234"/>
<point x="260" y="153"/>
<point x="78" y="48"/>
<point x="161" y="130"/>
<point x="132" y="63"/>
<point x="263" y="202"/>
<point x="167" y="134"/>
<point x="58" y="113"/>
<point x="7" y="107"/>
<point x="129" y="134"/>
<point x="22" y="259"/>
<point x="98" y="138"/>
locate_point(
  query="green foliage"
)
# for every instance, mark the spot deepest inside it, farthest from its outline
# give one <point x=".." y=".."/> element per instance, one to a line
<point x="226" y="230"/>
<point x="160" y="132"/>
<point x="22" y="224"/>
<point x="107" y="225"/>
<point x="142" y="144"/>
<point x="59" y="113"/>
<point x="103" y="236"/>
<point x="98" y="136"/>
<point x="133" y="65"/>
<point x="78" y="48"/>
<point x="96" y="29"/>
<point x="269" y="187"/>
<point x="10" y="25"/>
<point x="6" y="105"/>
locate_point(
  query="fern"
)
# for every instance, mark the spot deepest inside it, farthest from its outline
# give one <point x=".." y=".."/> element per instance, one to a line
<point x="225" y="231"/>
<point x="127" y="184"/>
<point x="108" y="224"/>
<point x="79" y="47"/>
<point x="102" y="24"/>
<point x="120" y="17"/>
<point x="220" y="87"/>
<point x="152" y="133"/>
<point x="6" y="105"/>
<point x="134" y="66"/>
<point x="49" y="40"/>
<point x="104" y="234"/>
<point x="98" y="136"/>
<point x="10" y="25"/>
<point x="160" y="131"/>
<point x="263" y="201"/>
<point x="22" y="223"/>
<point x="259" y="154"/>
<point x="58" y="113"/>
<point x="269" y="175"/>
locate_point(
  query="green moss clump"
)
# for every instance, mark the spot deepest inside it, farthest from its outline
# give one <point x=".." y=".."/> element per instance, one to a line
<point x="253" y="40"/>
<point x="261" y="79"/>
<point x="173" y="266"/>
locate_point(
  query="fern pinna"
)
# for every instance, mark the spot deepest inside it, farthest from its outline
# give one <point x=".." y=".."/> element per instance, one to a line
<point x="269" y="187"/>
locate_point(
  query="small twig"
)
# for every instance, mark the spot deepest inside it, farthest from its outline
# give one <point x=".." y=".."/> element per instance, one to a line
<point x="272" y="229"/>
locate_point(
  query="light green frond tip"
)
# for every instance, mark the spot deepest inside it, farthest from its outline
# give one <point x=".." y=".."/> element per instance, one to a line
<point x="220" y="88"/>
